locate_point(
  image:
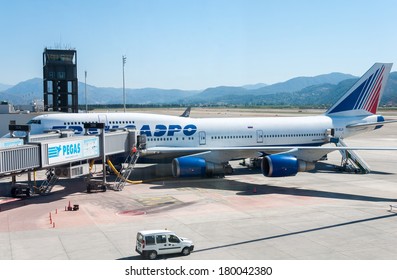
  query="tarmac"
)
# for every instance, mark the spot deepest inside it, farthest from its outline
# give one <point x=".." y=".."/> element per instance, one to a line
<point x="320" y="215"/>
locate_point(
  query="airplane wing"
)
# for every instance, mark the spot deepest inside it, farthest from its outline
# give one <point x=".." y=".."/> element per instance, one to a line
<point x="223" y="154"/>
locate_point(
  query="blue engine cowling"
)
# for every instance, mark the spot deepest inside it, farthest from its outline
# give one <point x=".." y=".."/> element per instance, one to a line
<point x="284" y="165"/>
<point x="196" y="167"/>
<point x="188" y="167"/>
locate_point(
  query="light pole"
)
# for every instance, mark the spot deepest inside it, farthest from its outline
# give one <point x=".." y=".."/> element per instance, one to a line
<point x="124" y="61"/>
<point x="85" y="91"/>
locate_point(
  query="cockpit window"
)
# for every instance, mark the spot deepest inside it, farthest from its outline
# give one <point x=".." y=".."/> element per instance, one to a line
<point x="33" y="121"/>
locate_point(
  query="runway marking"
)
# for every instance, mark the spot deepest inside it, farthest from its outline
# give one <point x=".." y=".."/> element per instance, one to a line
<point x="159" y="200"/>
<point x="188" y="189"/>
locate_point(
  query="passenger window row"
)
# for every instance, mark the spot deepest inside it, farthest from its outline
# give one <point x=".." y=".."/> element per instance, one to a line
<point x="110" y="122"/>
<point x="168" y="139"/>
<point x="294" y="135"/>
<point x="232" y="137"/>
<point x="268" y="136"/>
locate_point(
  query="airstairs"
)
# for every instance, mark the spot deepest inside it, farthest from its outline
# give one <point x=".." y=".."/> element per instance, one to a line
<point x="47" y="185"/>
<point x="351" y="161"/>
<point x="126" y="169"/>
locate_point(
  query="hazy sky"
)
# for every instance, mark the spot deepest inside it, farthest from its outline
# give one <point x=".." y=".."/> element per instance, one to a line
<point x="195" y="44"/>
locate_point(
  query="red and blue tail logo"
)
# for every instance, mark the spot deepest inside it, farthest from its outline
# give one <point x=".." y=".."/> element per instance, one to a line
<point x="364" y="96"/>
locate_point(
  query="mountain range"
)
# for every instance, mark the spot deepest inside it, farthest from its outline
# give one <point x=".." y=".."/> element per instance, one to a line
<point x="4" y="87"/>
<point x="321" y="90"/>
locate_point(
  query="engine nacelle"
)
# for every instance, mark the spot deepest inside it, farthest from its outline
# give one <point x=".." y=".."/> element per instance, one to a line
<point x="284" y="165"/>
<point x="195" y="167"/>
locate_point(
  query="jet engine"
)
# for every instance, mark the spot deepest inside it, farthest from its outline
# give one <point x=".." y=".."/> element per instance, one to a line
<point x="284" y="165"/>
<point x="197" y="167"/>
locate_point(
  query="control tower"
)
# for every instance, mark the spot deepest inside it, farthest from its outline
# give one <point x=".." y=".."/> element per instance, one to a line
<point x="60" y="80"/>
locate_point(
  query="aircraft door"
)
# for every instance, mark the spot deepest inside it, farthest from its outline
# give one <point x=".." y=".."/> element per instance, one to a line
<point x="202" y="138"/>
<point x="102" y="118"/>
<point x="259" y="136"/>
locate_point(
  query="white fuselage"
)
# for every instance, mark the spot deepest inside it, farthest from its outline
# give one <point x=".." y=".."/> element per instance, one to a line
<point x="174" y="131"/>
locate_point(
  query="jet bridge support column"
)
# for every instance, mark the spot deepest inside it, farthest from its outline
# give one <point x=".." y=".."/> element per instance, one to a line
<point x="17" y="189"/>
<point x="103" y="154"/>
<point x="101" y="127"/>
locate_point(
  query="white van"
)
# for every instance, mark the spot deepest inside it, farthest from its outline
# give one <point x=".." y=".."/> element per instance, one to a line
<point x="151" y="243"/>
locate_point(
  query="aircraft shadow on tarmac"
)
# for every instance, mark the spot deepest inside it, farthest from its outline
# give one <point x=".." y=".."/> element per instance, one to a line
<point x="138" y="257"/>
<point x="322" y="167"/>
<point x="263" y="190"/>
<point x="76" y="186"/>
<point x="251" y="189"/>
<point x="298" y="232"/>
<point x="243" y="188"/>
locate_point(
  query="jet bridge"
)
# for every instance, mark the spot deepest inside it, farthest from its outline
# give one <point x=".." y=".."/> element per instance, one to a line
<point x="18" y="158"/>
<point x="61" y="153"/>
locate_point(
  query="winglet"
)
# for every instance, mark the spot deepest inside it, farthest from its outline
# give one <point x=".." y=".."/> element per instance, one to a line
<point x="364" y="96"/>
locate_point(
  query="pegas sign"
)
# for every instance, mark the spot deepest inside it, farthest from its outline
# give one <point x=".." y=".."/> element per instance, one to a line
<point x="73" y="150"/>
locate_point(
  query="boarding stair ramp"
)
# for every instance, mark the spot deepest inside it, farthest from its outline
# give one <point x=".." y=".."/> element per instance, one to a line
<point x="351" y="161"/>
<point x="126" y="169"/>
<point x="49" y="183"/>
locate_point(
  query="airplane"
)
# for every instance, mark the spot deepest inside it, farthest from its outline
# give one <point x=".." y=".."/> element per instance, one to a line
<point x="200" y="147"/>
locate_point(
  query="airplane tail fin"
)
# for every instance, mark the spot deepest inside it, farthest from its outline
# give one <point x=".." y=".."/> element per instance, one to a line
<point x="186" y="114"/>
<point x="364" y="96"/>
